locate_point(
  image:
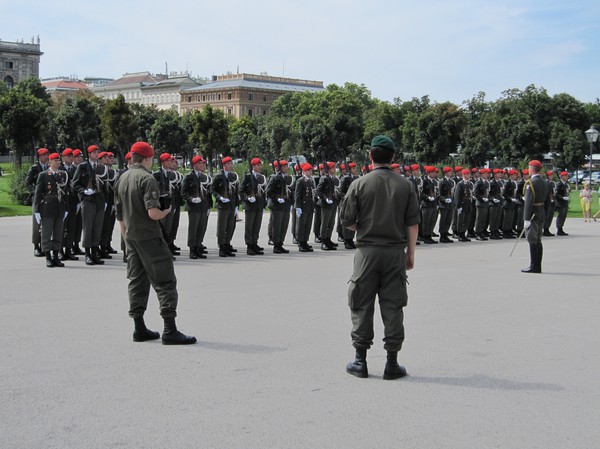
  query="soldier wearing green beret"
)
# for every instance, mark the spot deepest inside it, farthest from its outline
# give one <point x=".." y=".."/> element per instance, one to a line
<point x="382" y="208"/>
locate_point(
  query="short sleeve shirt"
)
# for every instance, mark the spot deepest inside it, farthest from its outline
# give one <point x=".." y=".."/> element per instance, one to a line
<point x="382" y="204"/>
<point x="136" y="192"/>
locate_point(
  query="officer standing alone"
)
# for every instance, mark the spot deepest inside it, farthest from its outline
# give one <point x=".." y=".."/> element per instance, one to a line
<point x="382" y="208"/>
<point x="533" y="214"/>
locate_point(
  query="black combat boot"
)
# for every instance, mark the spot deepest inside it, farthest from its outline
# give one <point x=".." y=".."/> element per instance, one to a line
<point x="56" y="259"/>
<point x="231" y="249"/>
<point x="463" y="238"/>
<point x="104" y="254"/>
<point x="358" y="368"/>
<point x="445" y="238"/>
<point x="561" y="232"/>
<point x="171" y="336"/>
<point x="349" y="244"/>
<point x="69" y="254"/>
<point x="533" y="260"/>
<point x="89" y="260"/>
<point x="111" y="250"/>
<point x="193" y="254"/>
<point x="540" y="254"/>
<point x="277" y="249"/>
<point x="77" y="250"/>
<point x="141" y="332"/>
<point x="305" y="248"/>
<point x="37" y="251"/>
<point x="392" y="369"/>
<point x="222" y="251"/>
<point x="258" y="249"/>
<point x="96" y="256"/>
<point x="49" y="260"/>
<point x="199" y="252"/>
<point x="251" y="251"/>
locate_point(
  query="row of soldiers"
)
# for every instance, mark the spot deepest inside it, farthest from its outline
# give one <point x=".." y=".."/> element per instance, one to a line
<point x="73" y="200"/>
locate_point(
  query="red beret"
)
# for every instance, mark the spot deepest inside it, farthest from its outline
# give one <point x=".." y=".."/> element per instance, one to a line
<point x="564" y="173"/>
<point x="406" y="168"/>
<point x="197" y="159"/>
<point x="415" y="167"/>
<point x="321" y="166"/>
<point x="474" y="169"/>
<point x="102" y="154"/>
<point x="526" y="171"/>
<point x="93" y="148"/>
<point x="128" y="156"/>
<point x="110" y="154"/>
<point x="431" y="169"/>
<point x="306" y="166"/>
<point x="395" y="165"/>
<point x="143" y="149"/>
<point x="77" y="152"/>
<point x="256" y="161"/>
<point x="225" y="160"/>
<point x="330" y="164"/>
<point x="351" y="165"/>
<point x="458" y="168"/>
<point x="535" y="163"/>
<point x="512" y="172"/>
<point x="54" y="156"/>
<point x="164" y="157"/>
<point x="549" y="173"/>
<point x="283" y="162"/>
<point x="343" y="166"/>
<point x="370" y="167"/>
<point x="447" y="169"/>
<point x="363" y="168"/>
<point x="497" y="170"/>
<point x="67" y="152"/>
<point x="466" y="171"/>
<point x="42" y="151"/>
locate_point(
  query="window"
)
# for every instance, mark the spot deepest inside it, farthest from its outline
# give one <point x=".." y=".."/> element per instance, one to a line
<point x="251" y="97"/>
<point x="229" y="96"/>
<point x="189" y="99"/>
<point x="264" y="98"/>
<point x="219" y="97"/>
<point x="203" y="97"/>
<point x="229" y="111"/>
<point x="264" y="112"/>
<point x="249" y="112"/>
<point x="8" y="64"/>
<point x="10" y="82"/>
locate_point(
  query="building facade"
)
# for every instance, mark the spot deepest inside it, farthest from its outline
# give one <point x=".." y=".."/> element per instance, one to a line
<point x="59" y="87"/>
<point x="19" y="61"/>
<point x="165" y="94"/>
<point x="243" y="94"/>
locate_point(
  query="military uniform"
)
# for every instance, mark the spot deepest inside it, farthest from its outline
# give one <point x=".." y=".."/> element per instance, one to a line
<point x="195" y="191"/>
<point x="429" y="194"/>
<point x="561" y="204"/>
<point x="533" y="212"/>
<point x="509" y="194"/>
<point x="345" y="183"/>
<point x="30" y="182"/>
<point x="463" y="195"/>
<point x="49" y="201"/>
<point x="495" y="208"/>
<point x="225" y="188"/>
<point x="109" y="178"/>
<point x="253" y="190"/>
<point x="280" y="200"/>
<point x="304" y="207"/>
<point x="446" y="206"/>
<point x="164" y="177"/>
<point x="73" y="205"/>
<point x="91" y="195"/>
<point x="481" y="195"/>
<point x="549" y="205"/>
<point x="382" y="206"/>
<point x="327" y="200"/>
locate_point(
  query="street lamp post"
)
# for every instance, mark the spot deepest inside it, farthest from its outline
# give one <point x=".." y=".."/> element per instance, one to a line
<point x="591" y="136"/>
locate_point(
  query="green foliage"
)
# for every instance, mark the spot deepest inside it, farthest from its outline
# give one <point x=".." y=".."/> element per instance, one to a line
<point x="210" y="131"/>
<point x="118" y="125"/>
<point x="19" y="193"/>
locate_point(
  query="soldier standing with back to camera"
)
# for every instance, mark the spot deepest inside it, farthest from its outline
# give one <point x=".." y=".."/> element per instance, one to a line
<point x="149" y="261"/>
<point x="562" y="203"/>
<point x="90" y="191"/>
<point x="49" y="209"/>
<point x="253" y="190"/>
<point x="386" y="240"/>
<point x="280" y="200"/>
<point x="533" y="215"/>
<point x="196" y="194"/>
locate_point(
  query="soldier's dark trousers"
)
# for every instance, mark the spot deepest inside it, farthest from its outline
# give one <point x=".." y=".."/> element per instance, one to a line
<point x="429" y="219"/>
<point x="463" y="218"/>
<point x="197" y="222"/>
<point x="252" y="226"/>
<point x="481" y="219"/>
<point x="78" y="228"/>
<point x="495" y="212"/>
<point x="534" y="238"/>
<point x="70" y="228"/>
<point x="561" y="216"/>
<point x="508" y="219"/>
<point x="549" y="216"/>
<point x="472" y="216"/>
<point x="445" y="220"/>
<point x="519" y="218"/>
<point x="338" y="227"/>
<point x="108" y="225"/>
<point x="225" y="225"/>
<point x="150" y="263"/>
<point x="378" y="271"/>
<point x="280" y="220"/>
<point x="294" y="227"/>
<point x="316" y="221"/>
<point x="167" y="224"/>
<point x="454" y="220"/>
<point x="303" y="224"/>
<point x="92" y="215"/>
<point x="327" y="221"/>
<point x="52" y="232"/>
<point x="175" y="224"/>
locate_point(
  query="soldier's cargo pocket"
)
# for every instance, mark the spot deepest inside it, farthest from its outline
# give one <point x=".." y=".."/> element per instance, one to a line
<point x="354" y="292"/>
<point x="162" y="265"/>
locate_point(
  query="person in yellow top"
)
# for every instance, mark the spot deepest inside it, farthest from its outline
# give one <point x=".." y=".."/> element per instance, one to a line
<point x="585" y="197"/>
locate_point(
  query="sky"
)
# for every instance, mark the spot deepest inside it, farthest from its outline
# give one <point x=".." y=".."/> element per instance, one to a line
<point x="448" y="50"/>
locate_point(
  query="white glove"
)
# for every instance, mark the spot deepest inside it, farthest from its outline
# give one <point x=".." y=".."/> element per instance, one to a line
<point x="251" y="199"/>
<point x="66" y="213"/>
<point x="514" y="200"/>
<point x="527" y="224"/>
<point x="224" y="200"/>
<point x="105" y="206"/>
<point x="496" y="200"/>
<point x="328" y="201"/>
<point x="88" y="192"/>
<point x="38" y="217"/>
<point x="196" y="200"/>
<point x="566" y="198"/>
<point x="235" y="212"/>
<point x="298" y="212"/>
<point x="280" y="200"/>
<point x="448" y="200"/>
<point x="485" y="200"/>
<point x="114" y="208"/>
<point x="459" y="210"/>
<point x="430" y="198"/>
<point x="78" y="207"/>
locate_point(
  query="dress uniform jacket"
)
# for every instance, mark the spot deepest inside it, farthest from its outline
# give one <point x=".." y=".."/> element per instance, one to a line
<point x="49" y="200"/>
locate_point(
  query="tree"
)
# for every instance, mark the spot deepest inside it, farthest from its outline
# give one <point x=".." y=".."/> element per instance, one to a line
<point x="118" y="126"/>
<point x="167" y="134"/>
<point x="145" y="117"/>
<point x="23" y="116"/>
<point x="210" y="132"/>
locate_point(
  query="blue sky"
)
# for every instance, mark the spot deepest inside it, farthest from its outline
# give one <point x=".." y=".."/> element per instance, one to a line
<point x="449" y="50"/>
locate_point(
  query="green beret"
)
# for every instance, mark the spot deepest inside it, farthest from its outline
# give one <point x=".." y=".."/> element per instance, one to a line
<point x="383" y="142"/>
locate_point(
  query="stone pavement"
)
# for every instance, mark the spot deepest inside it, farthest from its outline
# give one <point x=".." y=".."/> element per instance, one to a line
<point x="496" y="358"/>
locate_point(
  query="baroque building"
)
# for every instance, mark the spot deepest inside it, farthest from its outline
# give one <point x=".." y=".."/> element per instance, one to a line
<point x="243" y="94"/>
<point x="19" y="61"/>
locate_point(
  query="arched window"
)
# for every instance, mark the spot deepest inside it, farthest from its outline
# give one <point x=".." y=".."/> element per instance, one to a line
<point x="10" y="82"/>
